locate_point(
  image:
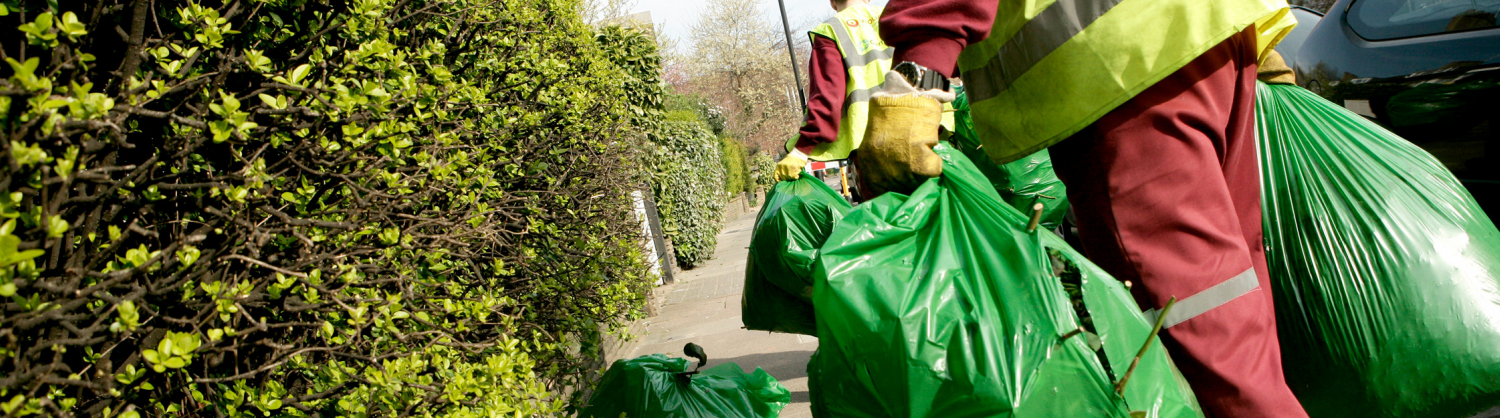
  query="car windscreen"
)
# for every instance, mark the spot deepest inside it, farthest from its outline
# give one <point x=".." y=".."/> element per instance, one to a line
<point x="1390" y="19"/>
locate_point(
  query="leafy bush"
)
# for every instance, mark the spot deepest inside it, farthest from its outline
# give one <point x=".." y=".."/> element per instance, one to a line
<point x="732" y="154"/>
<point x="707" y="112"/>
<point x="642" y="88"/>
<point x="763" y="170"/>
<point x="369" y="208"/>
<point x="688" y="179"/>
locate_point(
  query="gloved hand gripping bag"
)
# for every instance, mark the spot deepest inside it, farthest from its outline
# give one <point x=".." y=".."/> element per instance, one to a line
<point x="1386" y="272"/>
<point x="791" y="225"/>
<point x="645" y="387"/>
<point x="941" y="304"/>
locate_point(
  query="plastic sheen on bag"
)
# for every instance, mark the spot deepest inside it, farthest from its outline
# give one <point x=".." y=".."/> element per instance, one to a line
<point x="1386" y="273"/>
<point x="1021" y="183"/>
<point x="793" y="223"/>
<point x="941" y="304"/>
<point x="647" y="386"/>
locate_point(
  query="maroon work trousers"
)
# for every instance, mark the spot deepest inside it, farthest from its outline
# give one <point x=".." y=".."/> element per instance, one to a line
<point x="1166" y="191"/>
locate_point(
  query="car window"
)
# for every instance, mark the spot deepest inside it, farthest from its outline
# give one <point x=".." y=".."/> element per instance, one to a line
<point x="1389" y="19"/>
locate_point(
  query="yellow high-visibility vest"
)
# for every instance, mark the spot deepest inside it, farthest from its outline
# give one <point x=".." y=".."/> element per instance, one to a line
<point x="866" y="60"/>
<point x="1052" y="67"/>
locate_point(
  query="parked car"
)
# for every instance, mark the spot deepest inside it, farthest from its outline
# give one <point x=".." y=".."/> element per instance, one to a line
<point x="1289" y="47"/>
<point x="1429" y="70"/>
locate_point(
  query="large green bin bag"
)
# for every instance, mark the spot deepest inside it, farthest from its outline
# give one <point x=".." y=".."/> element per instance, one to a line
<point x="941" y="304"/>
<point x="1021" y="183"/>
<point x="645" y="387"/>
<point x="1386" y="273"/>
<point x="793" y="223"/>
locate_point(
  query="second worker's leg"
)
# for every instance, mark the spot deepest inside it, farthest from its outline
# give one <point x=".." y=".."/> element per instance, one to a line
<point x="1157" y="205"/>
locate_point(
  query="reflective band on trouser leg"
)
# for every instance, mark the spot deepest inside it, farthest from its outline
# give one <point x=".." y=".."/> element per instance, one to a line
<point x="1208" y="299"/>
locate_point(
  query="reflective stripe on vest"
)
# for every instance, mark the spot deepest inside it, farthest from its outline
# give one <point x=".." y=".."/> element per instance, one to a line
<point x="866" y="60"/>
<point x="1051" y="68"/>
<point x="849" y="46"/>
<point x="856" y="60"/>
<point x="1041" y="35"/>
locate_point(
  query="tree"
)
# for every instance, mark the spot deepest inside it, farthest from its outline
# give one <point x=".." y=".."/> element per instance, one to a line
<point x="737" y="63"/>
<point x="594" y="11"/>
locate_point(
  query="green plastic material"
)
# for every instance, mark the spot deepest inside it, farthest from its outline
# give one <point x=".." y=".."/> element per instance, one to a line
<point x="1021" y="183"/>
<point x="941" y="304"/>
<point x="644" y="387"/>
<point x="1386" y="272"/>
<point x="793" y="223"/>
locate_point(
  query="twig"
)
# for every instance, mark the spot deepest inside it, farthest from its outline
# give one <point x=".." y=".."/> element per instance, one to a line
<point x="1036" y="217"/>
<point x="1120" y="386"/>
<point x="1072" y="334"/>
<point x="263" y="264"/>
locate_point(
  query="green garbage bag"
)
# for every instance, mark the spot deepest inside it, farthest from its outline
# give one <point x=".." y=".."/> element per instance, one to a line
<point x="1386" y="274"/>
<point x="941" y="304"/>
<point x="648" y="387"/>
<point x="796" y="218"/>
<point x="1021" y="183"/>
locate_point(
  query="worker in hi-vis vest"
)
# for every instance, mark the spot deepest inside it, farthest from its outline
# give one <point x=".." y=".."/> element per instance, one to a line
<point x="1148" y="107"/>
<point x="848" y="62"/>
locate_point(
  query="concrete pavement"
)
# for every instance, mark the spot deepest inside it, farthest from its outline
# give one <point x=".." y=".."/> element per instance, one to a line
<point x="703" y="307"/>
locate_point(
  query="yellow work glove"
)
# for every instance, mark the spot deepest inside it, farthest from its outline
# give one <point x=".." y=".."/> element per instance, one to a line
<point x="896" y="155"/>
<point x="1275" y="71"/>
<point x="790" y="168"/>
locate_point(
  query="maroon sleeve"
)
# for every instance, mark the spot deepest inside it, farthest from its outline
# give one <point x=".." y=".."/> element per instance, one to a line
<point x="825" y="95"/>
<point x="933" y="32"/>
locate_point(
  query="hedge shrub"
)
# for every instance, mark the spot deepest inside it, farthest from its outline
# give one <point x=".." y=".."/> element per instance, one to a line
<point x="642" y="88"/>
<point x="688" y="179"/>
<point x="292" y="208"/>
<point x="763" y="170"/>
<point x="707" y="112"/>
<point x="732" y="154"/>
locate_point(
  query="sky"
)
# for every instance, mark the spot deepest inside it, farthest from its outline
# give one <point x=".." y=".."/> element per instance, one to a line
<point x="678" y="16"/>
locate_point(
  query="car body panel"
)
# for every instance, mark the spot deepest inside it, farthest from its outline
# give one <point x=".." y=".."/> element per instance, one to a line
<point x="1307" y="19"/>
<point x="1440" y="91"/>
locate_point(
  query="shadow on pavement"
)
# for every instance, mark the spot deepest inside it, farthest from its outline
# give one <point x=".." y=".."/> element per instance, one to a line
<point x="801" y="396"/>
<point x="783" y="366"/>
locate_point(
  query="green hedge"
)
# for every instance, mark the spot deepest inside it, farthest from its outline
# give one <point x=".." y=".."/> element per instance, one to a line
<point x="707" y="112"/>
<point x="290" y="208"/>
<point x="763" y="170"/>
<point x="732" y="154"/>
<point x="688" y="178"/>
